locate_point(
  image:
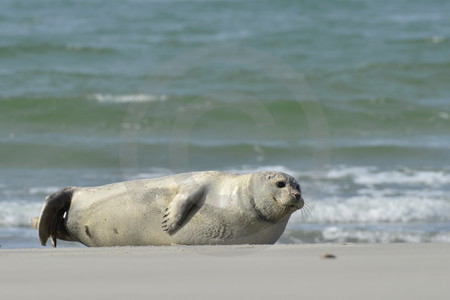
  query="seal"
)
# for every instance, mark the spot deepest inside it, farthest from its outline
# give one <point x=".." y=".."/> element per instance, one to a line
<point x="198" y="208"/>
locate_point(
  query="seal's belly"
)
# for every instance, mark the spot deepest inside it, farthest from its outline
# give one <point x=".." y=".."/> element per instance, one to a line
<point x="118" y="218"/>
<point x="222" y="226"/>
<point x="113" y="223"/>
<point x="229" y="234"/>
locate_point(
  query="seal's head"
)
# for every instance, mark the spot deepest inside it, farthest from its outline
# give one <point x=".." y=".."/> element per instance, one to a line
<point x="276" y="196"/>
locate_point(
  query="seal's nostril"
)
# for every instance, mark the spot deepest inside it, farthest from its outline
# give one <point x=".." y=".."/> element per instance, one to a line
<point x="297" y="196"/>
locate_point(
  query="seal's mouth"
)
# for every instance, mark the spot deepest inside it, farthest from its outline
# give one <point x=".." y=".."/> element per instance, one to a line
<point x="289" y="206"/>
<point x="295" y="206"/>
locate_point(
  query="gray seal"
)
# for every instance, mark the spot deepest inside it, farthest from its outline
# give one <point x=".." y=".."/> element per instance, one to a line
<point x="199" y="208"/>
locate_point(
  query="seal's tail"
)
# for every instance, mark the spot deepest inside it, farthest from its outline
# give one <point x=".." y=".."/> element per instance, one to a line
<point x="50" y="223"/>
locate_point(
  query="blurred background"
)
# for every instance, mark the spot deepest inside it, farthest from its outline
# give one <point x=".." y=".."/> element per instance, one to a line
<point x="351" y="97"/>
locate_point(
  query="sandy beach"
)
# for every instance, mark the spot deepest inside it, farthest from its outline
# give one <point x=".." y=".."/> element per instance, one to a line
<point x="357" y="271"/>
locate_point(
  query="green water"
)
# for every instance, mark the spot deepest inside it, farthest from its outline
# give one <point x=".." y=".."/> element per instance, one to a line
<point x="93" y="92"/>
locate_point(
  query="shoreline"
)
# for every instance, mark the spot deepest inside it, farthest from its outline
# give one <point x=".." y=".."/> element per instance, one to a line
<point x="358" y="271"/>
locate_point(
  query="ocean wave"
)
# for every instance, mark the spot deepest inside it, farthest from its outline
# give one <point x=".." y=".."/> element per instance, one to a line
<point x="366" y="209"/>
<point x="251" y="169"/>
<point x="131" y="98"/>
<point x="434" y="39"/>
<point x="401" y="66"/>
<point x="341" y="234"/>
<point x="352" y="195"/>
<point x="15" y="49"/>
<point x="152" y="173"/>
<point x="337" y="195"/>
<point x="374" y="176"/>
<point x="39" y="191"/>
<point x="18" y="213"/>
<point x="336" y="234"/>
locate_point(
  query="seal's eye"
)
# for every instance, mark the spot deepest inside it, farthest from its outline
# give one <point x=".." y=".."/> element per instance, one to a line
<point x="281" y="184"/>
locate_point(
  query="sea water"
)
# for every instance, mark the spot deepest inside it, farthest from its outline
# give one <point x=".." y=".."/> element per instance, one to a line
<point x="351" y="97"/>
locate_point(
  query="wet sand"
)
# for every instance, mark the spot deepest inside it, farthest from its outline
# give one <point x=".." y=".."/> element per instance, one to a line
<point x="379" y="271"/>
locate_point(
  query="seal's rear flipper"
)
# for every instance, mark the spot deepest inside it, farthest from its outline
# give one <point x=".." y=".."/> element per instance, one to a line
<point x="51" y="220"/>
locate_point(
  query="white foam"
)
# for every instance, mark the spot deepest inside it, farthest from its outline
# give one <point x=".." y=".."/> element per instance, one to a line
<point x="18" y="213"/>
<point x="436" y="39"/>
<point x="444" y="115"/>
<point x="132" y="98"/>
<point x="42" y="190"/>
<point x="340" y="235"/>
<point x="373" y="176"/>
<point x="153" y="173"/>
<point x="252" y="169"/>
<point x="368" y="209"/>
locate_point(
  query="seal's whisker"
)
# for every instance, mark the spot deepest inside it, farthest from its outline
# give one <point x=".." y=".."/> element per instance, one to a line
<point x="306" y="211"/>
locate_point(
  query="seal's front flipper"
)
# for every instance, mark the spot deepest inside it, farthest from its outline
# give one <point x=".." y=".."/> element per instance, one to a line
<point x="179" y="208"/>
<point x="51" y="219"/>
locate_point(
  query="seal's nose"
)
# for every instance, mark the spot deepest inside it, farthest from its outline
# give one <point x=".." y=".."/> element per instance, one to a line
<point x="301" y="202"/>
<point x="298" y="202"/>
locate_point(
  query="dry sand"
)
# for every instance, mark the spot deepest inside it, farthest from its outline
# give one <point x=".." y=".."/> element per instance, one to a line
<point x="381" y="271"/>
